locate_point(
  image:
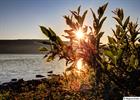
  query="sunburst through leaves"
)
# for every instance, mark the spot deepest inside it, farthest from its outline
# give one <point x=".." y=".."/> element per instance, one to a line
<point x="80" y="51"/>
<point x="79" y="34"/>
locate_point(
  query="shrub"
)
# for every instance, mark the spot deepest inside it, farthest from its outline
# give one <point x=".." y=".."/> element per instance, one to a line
<point x="115" y="66"/>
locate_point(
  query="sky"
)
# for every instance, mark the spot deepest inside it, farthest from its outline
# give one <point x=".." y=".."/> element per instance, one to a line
<point x="20" y="19"/>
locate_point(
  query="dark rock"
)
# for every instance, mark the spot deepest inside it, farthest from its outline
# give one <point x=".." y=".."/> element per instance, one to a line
<point x="21" y="80"/>
<point x="49" y="75"/>
<point x="34" y="82"/>
<point x="5" y="84"/>
<point x="44" y="79"/>
<point x="50" y="72"/>
<point x="39" y="76"/>
<point x="20" y="85"/>
<point x="14" y="80"/>
<point x="54" y="75"/>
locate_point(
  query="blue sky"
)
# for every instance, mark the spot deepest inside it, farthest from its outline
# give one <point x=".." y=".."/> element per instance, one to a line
<point x="20" y="19"/>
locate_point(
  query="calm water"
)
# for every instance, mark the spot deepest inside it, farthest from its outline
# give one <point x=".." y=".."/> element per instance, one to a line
<point x="26" y="66"/>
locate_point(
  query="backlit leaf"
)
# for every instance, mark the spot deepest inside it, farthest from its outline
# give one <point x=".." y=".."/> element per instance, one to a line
<point x="84" y="15"/>
<point x="111" y="40"/>
<point x="126" y="22"/>
<point x="69" y="22"/>
<point x="99" y="35"/>
<point x="50" y="58"/>
<point x="132" y="60"/>
<point x="45" y="31"/>
<point x="110" y="55"/>
<point x="101" y="10"/>
<point x="59" y="41"/>
<point x="121" y="14"/>
<point x="94" y="16"/>
<point x="79" y="9"/>
<point x="118" y="20"/>
<point x="102" y="21"/>
<point x="119" y="55"/>
<point x="52" y="32"/>
<point x="43" y="49"/>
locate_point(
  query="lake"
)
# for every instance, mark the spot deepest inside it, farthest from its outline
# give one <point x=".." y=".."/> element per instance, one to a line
<point x="27" y="66"/>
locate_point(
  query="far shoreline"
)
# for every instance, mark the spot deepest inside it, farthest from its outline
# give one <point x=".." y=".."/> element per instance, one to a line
<point x="25" y="46"/>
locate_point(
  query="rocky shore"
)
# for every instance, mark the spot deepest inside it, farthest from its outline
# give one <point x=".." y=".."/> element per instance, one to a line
<point x="51" y="88"/>
<point x="39" y="89"/>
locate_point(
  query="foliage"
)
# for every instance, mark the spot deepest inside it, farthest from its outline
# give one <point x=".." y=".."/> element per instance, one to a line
<point x="70" y="50"/>
<point x="123" y="63"/>
<point x="115" y="66"/>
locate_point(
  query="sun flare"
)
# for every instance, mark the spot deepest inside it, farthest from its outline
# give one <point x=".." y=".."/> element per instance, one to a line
<point x="79" y="34"/>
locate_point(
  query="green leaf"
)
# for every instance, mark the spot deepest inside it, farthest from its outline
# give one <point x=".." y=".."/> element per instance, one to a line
<point x="59" y="41"/>
<point x="126" y="22"/>
<point x="99" y="37"/>
<point x="138" y="38"/>
<point x="136" y="62"/>
<point x="53" y="38"/>
<point x="111" y="40"/>
<point x="45" y="31"/>
<point x="102" y="21"/>
<point x="43" y="49"/>
<point x="108" y="67"/>
<point x="111" y="56"/>
<point x="118" y="20"/>
<point x="108" y="53"/>
<point x="119" y="30"/>
<point x="132" y="60"/>
<point x="101" y="10"/>
<point x="79" y="9"/>
<point x="69" y="22"/>
<point x="121" y="14"/>
<point x="84" y="15"/>
<point x="77" y="17"/>
<point x="94" y="16"/>
<point x="115" y="33"/>
<point x="50" y="57"/>
<point x="52" y="32"/>
<point x="119" y="55"/>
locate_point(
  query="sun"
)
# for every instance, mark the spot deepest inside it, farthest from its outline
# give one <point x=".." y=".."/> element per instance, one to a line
<point x="79" y="34"/>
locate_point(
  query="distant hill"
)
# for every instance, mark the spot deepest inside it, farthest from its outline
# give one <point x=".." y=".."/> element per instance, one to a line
<point x="20" y="46"/>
